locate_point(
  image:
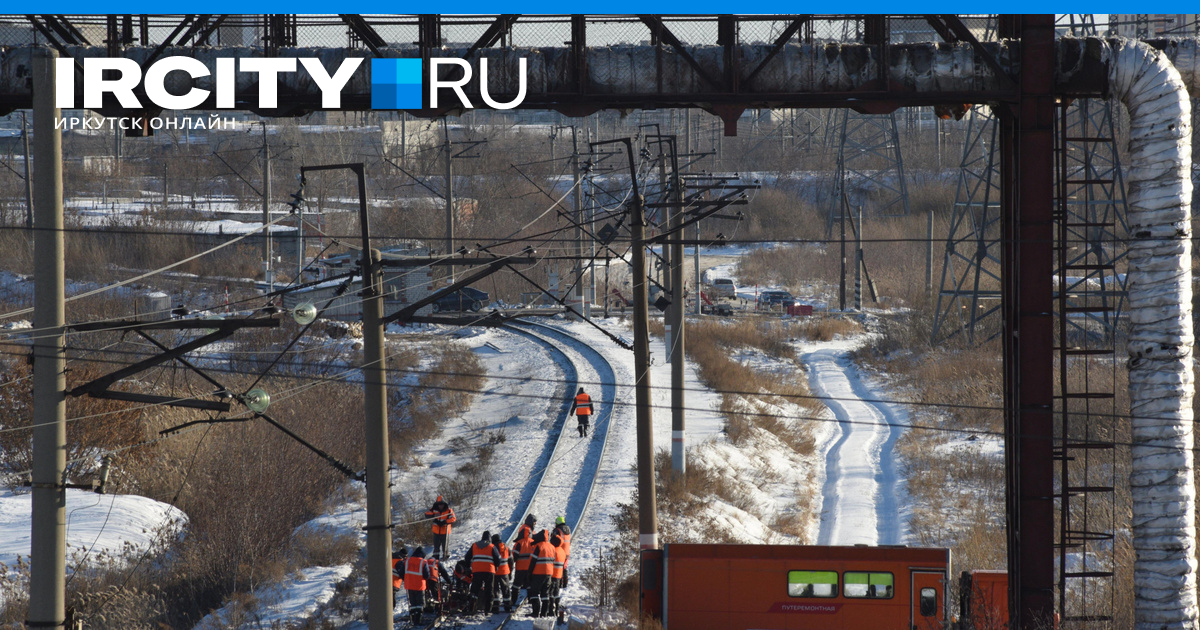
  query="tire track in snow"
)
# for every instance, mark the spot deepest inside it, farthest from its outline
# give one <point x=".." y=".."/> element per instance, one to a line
<point x="860" y="504"/>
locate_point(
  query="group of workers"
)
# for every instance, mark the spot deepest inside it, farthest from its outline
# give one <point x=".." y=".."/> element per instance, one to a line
<point x="491" y="574"/>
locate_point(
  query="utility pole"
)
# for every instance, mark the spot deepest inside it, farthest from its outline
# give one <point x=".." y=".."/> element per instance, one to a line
<point x="929" y="253"/>
<point x="299" y="243"/>
<point x="676" y="313"/>
<point x="647" y="505"/>
<point x="687" y="150"/>
<point x="47" y="578"/>
<point x="666" y="279"/>
<point x="449" y="195"/>
<point x="28" y="181"/>
<point x="858" y="262"/>
<point x="584" y="306"/>
<point x="268" y="268"/>
<point x="842" y="281"/>
<point x="375" y="422"/>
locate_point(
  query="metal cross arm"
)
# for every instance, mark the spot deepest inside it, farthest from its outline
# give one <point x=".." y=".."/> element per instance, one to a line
<point x="99" y="388"/>
<point x="229" y="326"/>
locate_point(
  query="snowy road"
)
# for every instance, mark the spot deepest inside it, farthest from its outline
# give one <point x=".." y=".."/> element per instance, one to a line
<point x="860" y="504"/>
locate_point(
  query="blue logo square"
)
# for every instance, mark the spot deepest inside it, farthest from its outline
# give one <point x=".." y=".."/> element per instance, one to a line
<point x="396" y="84"/>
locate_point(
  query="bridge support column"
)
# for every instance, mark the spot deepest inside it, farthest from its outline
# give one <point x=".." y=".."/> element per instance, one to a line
<point x="1027" y="186"/>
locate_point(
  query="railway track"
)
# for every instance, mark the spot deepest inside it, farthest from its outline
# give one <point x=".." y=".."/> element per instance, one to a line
<point x="567" y="470"/>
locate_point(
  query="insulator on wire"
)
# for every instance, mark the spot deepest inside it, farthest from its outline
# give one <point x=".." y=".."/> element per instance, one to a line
<point x="101" y="482"/>
<point x="304" y="313"/>
<point x="257" y="400"/>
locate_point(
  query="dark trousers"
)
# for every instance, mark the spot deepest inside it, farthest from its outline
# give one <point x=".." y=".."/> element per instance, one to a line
<point x="416" y="602"/>
<point x="583" y="425"/>
<point x="520" y="581"/>
<point x="539" y="593"/>
<point x="552" y="597"/>
<point x="433" y="595"/>
<point x="481" y="590"/>
<point x="439" y="546"/>
<point x="502" y="593"/>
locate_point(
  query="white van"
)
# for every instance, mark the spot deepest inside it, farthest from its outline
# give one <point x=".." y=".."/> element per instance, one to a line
<point x="723" y="288"/>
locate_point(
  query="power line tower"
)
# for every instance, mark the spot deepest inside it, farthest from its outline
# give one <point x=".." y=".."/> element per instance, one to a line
<point x="970" y="286"/>
<point x="1093" y="193"/>
<point x="870" y="169"/>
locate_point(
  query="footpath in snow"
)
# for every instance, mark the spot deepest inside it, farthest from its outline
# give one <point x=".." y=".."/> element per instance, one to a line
<point x="861" y="492"/>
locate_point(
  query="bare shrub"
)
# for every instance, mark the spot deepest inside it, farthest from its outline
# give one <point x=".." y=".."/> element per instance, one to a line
<point x="444" y="390"/>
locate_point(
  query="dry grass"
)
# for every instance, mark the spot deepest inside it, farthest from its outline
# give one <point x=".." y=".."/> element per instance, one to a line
<point x="750" y="398"/>
<point x="443" y="390"/>
<point x="825" y="327"/>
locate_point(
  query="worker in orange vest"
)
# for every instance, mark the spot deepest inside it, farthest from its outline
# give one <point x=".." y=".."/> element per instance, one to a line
<point x="556" y="584"/>
<point x="398" y="558"/>
<point x="503" y="576"/>
<point x="484" y="560"/>
<point x="433" y="587"/>
<point x="582" y="407"/>
<point x="563" y="531"/>
<point x="523" y="550"/>
<point x="416" y="573"/>
<point x="526" y="529"/>
<point x="443" y="517"/>
<point x="541" y="574"/>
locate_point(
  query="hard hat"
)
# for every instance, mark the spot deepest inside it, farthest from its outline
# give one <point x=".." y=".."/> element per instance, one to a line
<point x="560" y="521"/>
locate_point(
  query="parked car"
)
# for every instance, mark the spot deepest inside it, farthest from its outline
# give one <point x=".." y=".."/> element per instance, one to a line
<point x="723" y="288"/>
<point x="464" y="299"/>
<point x="775" y="297"/>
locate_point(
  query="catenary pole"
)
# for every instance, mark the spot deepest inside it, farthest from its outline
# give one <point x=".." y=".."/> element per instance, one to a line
<point x="647" y="506"/>
<point x="379" y="500"/>
<point x="268" y="268"/>
<point x="449" y="199"/>
<point x="28" y="181"/>
<point x="48" y="536"/>
<point x="676" y="312"/>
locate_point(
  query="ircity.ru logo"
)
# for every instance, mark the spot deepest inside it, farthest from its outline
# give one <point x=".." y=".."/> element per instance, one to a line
<point x="395" y="83"/>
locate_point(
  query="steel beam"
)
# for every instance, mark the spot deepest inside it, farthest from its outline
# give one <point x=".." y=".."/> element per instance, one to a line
<point x="1027" y="205"/>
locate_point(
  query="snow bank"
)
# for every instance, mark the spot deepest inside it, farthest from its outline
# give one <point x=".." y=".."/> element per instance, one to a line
<point x="110" y="524"/>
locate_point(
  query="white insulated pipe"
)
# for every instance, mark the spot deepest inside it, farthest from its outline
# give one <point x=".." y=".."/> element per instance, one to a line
<point x="1161" y="339"/>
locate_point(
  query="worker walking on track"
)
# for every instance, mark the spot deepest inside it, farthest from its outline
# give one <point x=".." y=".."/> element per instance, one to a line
<point x="541" y="574"/>
<point x="523" y="550"/>
<point x="582" y="407"/>
<point x="504" y="570"/>
<point x="443" y="517"/>
<point x="416" y="574"/>
<point x="484" y="560"/>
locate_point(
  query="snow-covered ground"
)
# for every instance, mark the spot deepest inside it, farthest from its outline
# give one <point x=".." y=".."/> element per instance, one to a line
<point x="109" y="524"/>
<point x="101" y="528"/>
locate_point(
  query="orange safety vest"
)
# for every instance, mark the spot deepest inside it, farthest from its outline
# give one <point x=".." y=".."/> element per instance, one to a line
<point x="433" y="571"/>
<point x="442" y="520"/>
<point x="414" y="579"/>
<point x="397" y="580"/>
<point x="566" y="545"/>
<point x="560" y="561"/>
<point x="583" y="405"/>
<point x="481" y="559"/>
<point x="543" y="559"/>
<point x="524" y="550"/>
<point x="503" y="569"/>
